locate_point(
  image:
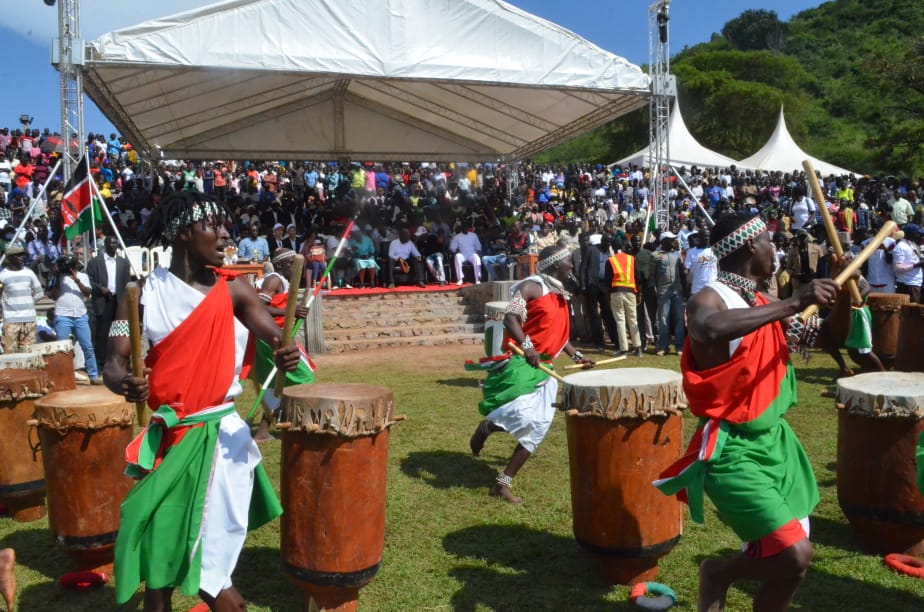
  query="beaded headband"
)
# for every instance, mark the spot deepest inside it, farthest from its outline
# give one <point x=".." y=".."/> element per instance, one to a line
<point x="283" y="255"/>
<point x="553" y="259"/>
<point x="197" y="212"/>
<point x="734" y="241"/>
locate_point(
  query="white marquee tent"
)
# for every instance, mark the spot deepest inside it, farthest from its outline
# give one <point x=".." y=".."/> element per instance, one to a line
<point x="781" y="153"/>
<point x="684" y="149"/>
<point x="365" y="79"/>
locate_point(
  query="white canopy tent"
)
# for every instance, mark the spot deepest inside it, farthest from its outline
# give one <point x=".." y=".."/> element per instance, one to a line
<point x="365" y="79"/>
<point x="781" y="153"/>
<point x="684" y="149"/>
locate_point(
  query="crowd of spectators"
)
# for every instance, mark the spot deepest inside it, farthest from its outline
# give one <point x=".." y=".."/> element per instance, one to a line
<point x="440" y="223"/>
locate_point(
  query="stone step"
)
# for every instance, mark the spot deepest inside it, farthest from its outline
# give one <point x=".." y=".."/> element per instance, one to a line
<point x="340" y="346"/>
<point x="393" y="318"/>
<point x="403" y="330"/>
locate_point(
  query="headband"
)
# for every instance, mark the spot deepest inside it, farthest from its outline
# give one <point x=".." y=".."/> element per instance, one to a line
<point x="553" y="259"/>
<point x="197" y="212"/>
<point x="283" y="255"/>
<point x="735" y="240"/>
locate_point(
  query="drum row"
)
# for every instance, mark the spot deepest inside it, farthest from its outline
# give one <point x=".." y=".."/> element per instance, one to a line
<point x="898" y="331"/>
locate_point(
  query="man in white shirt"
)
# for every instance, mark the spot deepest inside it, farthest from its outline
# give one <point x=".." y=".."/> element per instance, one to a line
<point x="70" y="291"/>
<point x="907" y="264"/>
<point x="902" y="211"/>
<point x="879" y="270"/>
<point x="701" y="264"/>
<point x="465" y="246"/>
<point x="803" y="210"/>
<point x="404" y="250"/>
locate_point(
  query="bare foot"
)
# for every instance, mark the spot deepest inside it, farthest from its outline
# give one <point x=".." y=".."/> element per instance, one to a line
<point x="846" y="372"/>
<point x="712" y="589"/>
<point x="8" y="577"/>
<point x="263" y="433"/>
<point x="504" y="492"/>
<point x="476" y="443"/>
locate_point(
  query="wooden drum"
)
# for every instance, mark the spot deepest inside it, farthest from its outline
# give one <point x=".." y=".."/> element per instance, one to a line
<point x="624" y="427"/>
<point x="58" y="358"/>
<point x="334" y="460"/>
<point x="910" y="356"/>
<point x="877" y="433"/>
<point x="22" y="484"/>
<point x="84" y="433"/>
<point x="494" y="328"/>
<point x="885" y="309"/>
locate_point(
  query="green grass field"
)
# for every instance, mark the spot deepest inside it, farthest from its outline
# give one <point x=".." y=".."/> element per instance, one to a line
<point x="449" y="546"/>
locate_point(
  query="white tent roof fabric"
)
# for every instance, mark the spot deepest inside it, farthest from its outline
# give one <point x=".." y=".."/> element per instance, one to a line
<point x="684" y="149"/>
<point x="782" y="153"/>
<point x="366" y="79"/>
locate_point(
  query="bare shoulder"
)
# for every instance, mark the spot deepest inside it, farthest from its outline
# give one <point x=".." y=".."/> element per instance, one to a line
<point x="530" y="290"/>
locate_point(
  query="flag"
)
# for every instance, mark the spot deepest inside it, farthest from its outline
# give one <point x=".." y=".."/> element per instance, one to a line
<point x="79" y="202"/>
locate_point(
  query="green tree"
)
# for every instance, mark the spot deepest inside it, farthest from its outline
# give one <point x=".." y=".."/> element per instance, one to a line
<point x="756" y="30"/>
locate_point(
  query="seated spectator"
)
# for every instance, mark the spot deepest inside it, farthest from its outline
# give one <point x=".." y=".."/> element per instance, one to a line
<point x="431" y="246"/>
<point x="364" y="264"/>
<point x="253" y="247"/>
<point x="404" y="254"/>
<point x="465" y="246"/>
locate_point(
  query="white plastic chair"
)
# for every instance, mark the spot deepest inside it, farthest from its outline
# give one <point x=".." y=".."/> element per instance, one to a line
<point x="140" y="259"/>
<point x="160" y="257"/>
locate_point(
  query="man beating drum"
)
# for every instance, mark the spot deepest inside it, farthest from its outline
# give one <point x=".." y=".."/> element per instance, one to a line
<point x="739" y="380"/>
<point x="517" y="394"/>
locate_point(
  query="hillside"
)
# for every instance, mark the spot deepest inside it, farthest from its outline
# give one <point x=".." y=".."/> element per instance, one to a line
<point x="850" y="74"/>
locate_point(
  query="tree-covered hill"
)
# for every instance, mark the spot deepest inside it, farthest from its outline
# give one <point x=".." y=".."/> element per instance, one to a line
<point x="850" y="74"/>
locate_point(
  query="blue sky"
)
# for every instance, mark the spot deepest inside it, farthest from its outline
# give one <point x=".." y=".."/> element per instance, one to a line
<point x="619" y="26"/>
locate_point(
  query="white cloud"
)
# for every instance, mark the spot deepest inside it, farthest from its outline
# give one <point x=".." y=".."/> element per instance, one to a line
<point x="40" y="22"/>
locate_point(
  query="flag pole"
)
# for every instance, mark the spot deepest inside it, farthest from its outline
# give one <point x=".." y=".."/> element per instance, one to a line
<point x="86" y="251"/>
<point x="105" y="209"/>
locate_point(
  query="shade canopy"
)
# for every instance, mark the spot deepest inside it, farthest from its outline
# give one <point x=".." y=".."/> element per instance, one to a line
<point x="363" y="79"/>
<point x="781" y="153"/>
<point x="684" y="149"/>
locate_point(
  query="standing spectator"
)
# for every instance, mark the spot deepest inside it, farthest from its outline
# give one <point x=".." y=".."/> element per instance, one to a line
<point x="465" y="246"/>
<point x="907" y="263"/>
<point x="70" y="290"/>
<point x="109" y="274"/>
<point x="803" y="210"/>
<point x="670" y="283"/>
<point x="42" y="253"/>
<point x="620" y="274"/>
<point x="902" y="211"/>
<point x="700" y="263"/>
<point x="644" y="278"/>
<point x="597" y="296"/>
<point x="879" y="270"/>
<point x="19" y="288"/>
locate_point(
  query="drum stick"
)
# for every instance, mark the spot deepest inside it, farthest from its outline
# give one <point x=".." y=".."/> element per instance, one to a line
<point x="887" y="230"/>
<point x="596" y="363"/>
<point x="833" y="240"/>
<point x="295" y="279"/>
<point x="543" y="367"/>
<point x="132" y="294"/>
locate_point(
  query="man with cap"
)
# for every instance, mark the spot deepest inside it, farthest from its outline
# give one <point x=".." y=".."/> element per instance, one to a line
<point x="275" y="241"/>
<point x="739" y="380"/>
<point x="19" y="288"/>
<point x="907" y="263"/>
<point x="517" y="395"/>
<point x="670" y="284"/>
<point x="292" y="241"/>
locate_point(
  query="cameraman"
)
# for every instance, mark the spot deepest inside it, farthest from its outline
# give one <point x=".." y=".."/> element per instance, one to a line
<point x="69" y="290"/>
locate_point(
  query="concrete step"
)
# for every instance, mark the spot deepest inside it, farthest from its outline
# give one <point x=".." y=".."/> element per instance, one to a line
<point x="340" y="346"/>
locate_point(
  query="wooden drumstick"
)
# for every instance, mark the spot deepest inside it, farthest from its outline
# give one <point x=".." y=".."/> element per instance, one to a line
<point x="596" y="363"/>
<point x="295" y="279"/>
<point x="133" y="295"/>
<point x="887" y="230"/>
<point x="516" y="349"/>
<point x="833" y="240"/>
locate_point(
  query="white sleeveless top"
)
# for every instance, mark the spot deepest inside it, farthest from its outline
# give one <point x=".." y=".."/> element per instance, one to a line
<point x="732" y="300"/>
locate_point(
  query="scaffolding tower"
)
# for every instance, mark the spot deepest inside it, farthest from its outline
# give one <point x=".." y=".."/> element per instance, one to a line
<point x="663" y="90"/>
<point x="67" y="55"/>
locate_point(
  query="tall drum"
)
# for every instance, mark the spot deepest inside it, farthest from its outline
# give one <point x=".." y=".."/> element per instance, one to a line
<point x="885" y="309"/>
<point x="624" y="426"/>
<point x="22" y="484"/>
<point x="84" y="433"/>
<point x="334" y="460"/>
<point x="910" y="357"/>
<point x="881" y="417"/>
<point x="494" y="328"/>
<point x="58" y="358"/>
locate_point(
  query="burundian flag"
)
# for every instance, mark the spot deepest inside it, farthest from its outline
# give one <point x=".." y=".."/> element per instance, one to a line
<point x="79" y="202"/>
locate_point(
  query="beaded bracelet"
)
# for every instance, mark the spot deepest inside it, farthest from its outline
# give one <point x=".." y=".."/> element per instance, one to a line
<point x="577" y="357"/>
<point x="527" y="344"/>
<point x="119" y="329"/>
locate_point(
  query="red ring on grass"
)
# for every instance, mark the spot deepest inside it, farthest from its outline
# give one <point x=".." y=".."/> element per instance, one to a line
<point x="83" y="580"/>
<point x="905" y="564"/>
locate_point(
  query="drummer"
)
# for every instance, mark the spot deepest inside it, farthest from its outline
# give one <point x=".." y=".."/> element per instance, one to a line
<point x="739" y="380"/>
<point x="197" y="322"/>
<point x="518" y="395"/>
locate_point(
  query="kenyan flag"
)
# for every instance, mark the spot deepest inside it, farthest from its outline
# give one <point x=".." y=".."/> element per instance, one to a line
<point x="80" y="200"/>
